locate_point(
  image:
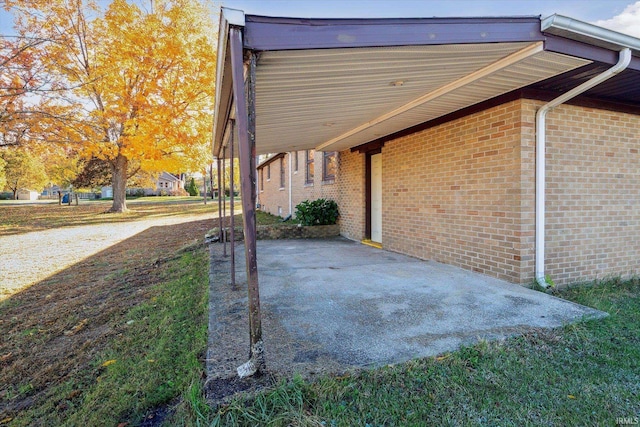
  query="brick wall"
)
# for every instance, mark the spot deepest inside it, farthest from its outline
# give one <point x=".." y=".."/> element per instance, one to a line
<point x="272" y="196"/>
<point x="451" y="193"/>
<point x="593" y="193"/>
<point x="316" y="190"/>
<point x="350" y="182"/>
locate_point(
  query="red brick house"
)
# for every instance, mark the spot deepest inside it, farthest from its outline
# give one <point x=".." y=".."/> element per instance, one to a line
<point x="507" y="146"/>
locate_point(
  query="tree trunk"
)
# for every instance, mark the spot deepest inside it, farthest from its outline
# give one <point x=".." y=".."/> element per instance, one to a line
<point x="204" y="186"/>
<point x="211" y="180"/>
<point x="119" y="184"/>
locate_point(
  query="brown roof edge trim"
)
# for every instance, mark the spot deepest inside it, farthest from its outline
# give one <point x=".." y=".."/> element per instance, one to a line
<point x="387" y="21"/>
<point x="599" y="104"/>
<point x="369" y="147"/>
<point x="579" y="49"/>
<point x="538" y="95"/>
<point x="582" y="101"/>
<point x="268" y="34"/>
<point x="270" y="160"/>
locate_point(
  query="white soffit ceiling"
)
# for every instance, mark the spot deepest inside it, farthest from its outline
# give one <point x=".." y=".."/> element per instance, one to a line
<point x="334" y="99"/>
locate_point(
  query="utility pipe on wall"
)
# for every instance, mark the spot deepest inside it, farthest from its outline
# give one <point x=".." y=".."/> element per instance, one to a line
<point x="541" y="141"/>
<point x="290" y="194"/>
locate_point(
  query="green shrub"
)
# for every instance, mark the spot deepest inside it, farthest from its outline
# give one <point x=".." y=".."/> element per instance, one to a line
<point x="192" y="188"/>
<point x="317" y="212"/>
<point x="135" y="192"/>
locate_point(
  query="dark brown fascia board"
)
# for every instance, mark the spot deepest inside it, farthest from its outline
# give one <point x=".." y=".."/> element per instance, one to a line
<point x="600" y="104"/>
<point x="534" y="94"/>
<point x="578" y="49"/>
<point x="268" y="33"/>
<point x="270" y="160"/>
<point x="369" y="147"/>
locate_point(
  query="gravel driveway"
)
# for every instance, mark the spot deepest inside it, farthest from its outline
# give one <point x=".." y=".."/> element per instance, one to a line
<point x="30" y="257"/>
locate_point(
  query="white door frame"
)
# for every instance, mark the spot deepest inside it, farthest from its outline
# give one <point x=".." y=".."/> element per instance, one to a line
<point x="376" y="198"/>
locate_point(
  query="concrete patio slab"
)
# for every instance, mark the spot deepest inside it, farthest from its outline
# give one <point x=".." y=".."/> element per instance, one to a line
<point x="332" y="305"/>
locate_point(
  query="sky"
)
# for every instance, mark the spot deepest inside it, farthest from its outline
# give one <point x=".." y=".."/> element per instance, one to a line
<point x="619" y="15"/>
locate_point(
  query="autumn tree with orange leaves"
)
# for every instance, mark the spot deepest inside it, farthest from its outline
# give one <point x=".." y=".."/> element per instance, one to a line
<point x="17" y="79"/>
<point x="132" y="85"/>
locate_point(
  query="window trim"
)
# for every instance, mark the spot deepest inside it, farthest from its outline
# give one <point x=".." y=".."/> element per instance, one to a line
<point x="262" y="179"/>
<point x="325" y="156"/>
<point x="282" y="174"/>
<point x="309" y="160"/>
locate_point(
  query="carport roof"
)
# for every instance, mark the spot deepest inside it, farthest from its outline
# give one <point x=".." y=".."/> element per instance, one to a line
<point x="333" y="84"/>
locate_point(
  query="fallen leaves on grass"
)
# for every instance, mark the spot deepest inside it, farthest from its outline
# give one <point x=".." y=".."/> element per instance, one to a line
<point x="20" y="219"/>
<point x="77" y="328"/>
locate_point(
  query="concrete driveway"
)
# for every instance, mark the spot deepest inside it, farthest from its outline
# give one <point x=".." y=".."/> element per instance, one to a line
<point x="332" y="305"/>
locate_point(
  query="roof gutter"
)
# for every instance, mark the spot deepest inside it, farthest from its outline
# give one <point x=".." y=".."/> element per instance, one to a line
<point x="581" y="31"/>
<point x="623" y="62"/>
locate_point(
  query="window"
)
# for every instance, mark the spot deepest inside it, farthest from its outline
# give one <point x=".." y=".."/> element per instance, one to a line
<point x="262" y="179"/>
<point x="329" y="166"/>
<point x="309" y="167"/>
<point x="282" y="172"/>
<point x="295" y="161"/>
<point x="268" y="172"/>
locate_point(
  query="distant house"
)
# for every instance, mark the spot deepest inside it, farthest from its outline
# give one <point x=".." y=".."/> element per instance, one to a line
<point x="106" y="192"/>
<point x="27" y="195"/>
<point x="168" y="182"/>
<point x="52" y="191"/>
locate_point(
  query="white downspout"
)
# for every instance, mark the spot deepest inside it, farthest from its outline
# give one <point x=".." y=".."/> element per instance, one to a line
<point x="290" y="199"/>
<point x="623" y="62"/>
